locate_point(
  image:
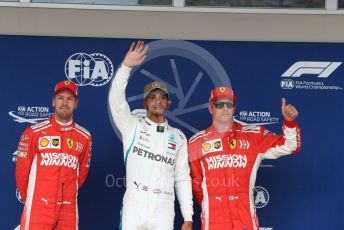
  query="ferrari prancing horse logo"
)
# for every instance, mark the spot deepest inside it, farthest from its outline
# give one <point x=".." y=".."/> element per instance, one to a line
<point x="233" y="144"/>
<point x="70" y="143"/>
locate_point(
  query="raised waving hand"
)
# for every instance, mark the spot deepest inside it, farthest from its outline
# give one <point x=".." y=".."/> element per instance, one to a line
<point x="136" y="54"/>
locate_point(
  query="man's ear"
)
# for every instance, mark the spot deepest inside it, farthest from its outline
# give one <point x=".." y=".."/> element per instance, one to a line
<point x="210" y="108"/>
<point x="76" y="103"/>
<point x="144" y="104"/>
<point x="168" y="104"/>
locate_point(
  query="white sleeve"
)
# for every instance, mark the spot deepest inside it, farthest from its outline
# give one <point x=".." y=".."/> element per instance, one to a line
<point x="288" y="143"/>
<point x="183" y="181"/>
<point x="119" y="107"/>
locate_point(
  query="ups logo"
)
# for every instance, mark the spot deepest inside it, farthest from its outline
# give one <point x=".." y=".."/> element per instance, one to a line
<point x="55" y="142"/>
<point x="217" y="144"/>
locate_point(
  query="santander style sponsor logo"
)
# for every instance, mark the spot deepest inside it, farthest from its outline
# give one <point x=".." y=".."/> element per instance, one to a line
<point x="226" y="160"/>
<point x="59" y="159"/>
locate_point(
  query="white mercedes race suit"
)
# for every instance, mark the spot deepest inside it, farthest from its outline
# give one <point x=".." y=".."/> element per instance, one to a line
<point x="156" y="160"/>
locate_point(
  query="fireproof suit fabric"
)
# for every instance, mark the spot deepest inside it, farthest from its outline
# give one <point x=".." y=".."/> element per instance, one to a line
<point x="52" y="163"/>
<point x="156" y="164"/>
<point x="224" y="168"/>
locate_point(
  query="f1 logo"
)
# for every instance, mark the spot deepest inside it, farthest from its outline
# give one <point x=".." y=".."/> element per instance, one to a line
<point x="322" y="69"/>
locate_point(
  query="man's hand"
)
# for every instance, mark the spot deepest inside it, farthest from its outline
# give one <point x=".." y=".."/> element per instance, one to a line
<point x="187" y="225"/>
<point x="289" y="112"/>
<point x="135" y="55"/>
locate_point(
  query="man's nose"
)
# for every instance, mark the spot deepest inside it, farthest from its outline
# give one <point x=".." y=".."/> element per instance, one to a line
<point x="158" y="99"/>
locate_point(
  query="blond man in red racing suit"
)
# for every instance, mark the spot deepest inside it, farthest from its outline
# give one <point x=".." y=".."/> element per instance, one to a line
<point x="53" y="160"/>
<point x="224" y="160"/>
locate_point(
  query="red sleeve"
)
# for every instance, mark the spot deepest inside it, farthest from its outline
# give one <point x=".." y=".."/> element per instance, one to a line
<point x="196" y="173"/>
<point x="25" y="155"/>
<point x="85" y="162"/>
<point x="267" y="139"/>
<point x="286" y="143"/>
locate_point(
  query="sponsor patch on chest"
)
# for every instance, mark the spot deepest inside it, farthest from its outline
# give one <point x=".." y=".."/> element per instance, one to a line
<point x="214" y="145"/>
<point x="59" y="159"/>
<point x="154" y="157"/>
<point x="226" y="161"/>
<point x="49" y="142"/>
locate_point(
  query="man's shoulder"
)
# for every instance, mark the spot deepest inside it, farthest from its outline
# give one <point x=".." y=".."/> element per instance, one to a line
<point x="198" y="136"/>
<point x="82" y="130"/>
<point x="39" y="126"/>
<point x="248" y="128"/>
<point x="178" y="132"/>
<point x="250" y="131"/>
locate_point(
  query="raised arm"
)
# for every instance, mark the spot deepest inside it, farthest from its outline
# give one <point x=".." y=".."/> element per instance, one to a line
<point x="119" y="107"/>
<point x="289" y="142"/>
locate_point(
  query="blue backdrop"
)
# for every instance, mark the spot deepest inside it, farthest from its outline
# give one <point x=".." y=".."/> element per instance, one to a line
<point x="303" y="191"/>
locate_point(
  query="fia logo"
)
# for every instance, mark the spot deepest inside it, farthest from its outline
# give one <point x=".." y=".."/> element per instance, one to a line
<point x="287" y="84"/>
<point x="94" y="69"/>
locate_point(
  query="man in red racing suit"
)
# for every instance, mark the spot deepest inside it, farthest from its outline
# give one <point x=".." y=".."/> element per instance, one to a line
<point x="224" y="160"/>
<point x="53" y="160"/>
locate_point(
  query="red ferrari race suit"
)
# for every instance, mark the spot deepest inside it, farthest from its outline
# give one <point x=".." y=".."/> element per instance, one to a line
<point x="52" y="163"/>
<point x="224" y="168"/>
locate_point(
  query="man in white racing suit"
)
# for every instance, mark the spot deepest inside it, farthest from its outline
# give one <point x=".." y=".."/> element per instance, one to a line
<point x="155" y="154"/>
